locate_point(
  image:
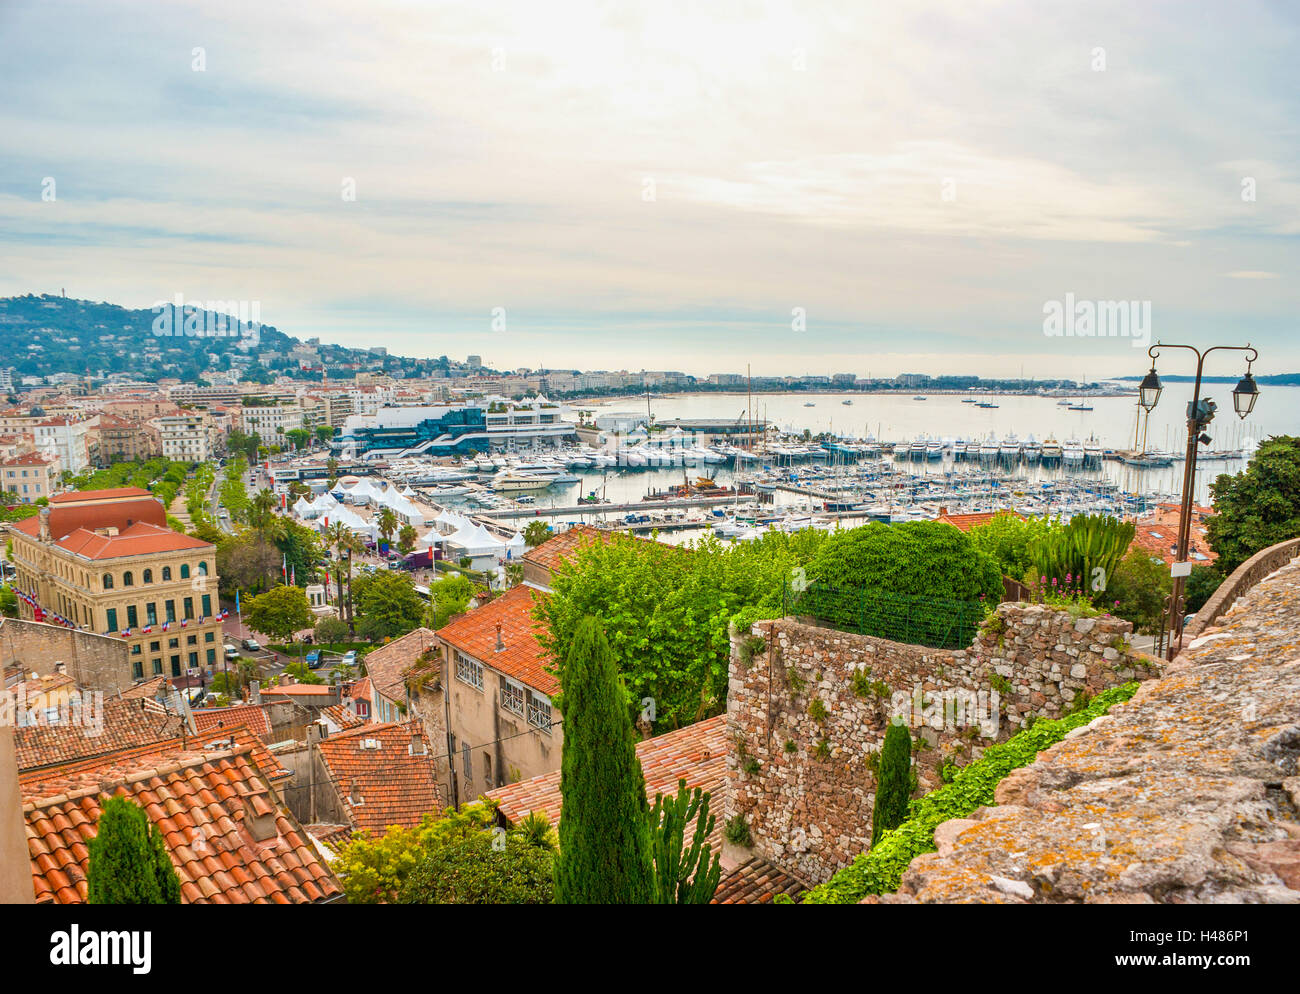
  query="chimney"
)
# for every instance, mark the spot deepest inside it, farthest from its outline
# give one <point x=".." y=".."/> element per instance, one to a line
<point x="354" y="793"/>
<point x="255" y="691"/>
<point x="500" y="645"/>
<point x="417" y="743"/>
<point x="259" y="817"/>
<point x="44" y="533"/>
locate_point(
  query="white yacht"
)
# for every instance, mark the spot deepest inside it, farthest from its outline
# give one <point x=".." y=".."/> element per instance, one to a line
<point x="989" y="450"/>
<point x="509" y="482"/>
<point x="1072" y="452"/>
<point x="1051" y="451"/>
<point x="1032" y="451"/>
<point x="1009" y="450"/>
<point x="1092" y="451"/>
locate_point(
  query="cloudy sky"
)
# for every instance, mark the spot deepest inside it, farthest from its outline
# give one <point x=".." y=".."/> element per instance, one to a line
<point x="667" y="185"/>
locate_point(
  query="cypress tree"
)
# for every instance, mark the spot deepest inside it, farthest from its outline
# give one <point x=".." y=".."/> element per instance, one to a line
<point x="894" y="783"/>
<point x="128" y="860"/>
<point x="604" y="819"/>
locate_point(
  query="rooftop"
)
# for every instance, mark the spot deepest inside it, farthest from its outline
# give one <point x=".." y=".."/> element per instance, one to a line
<point x="521" y="656"/>
<point x="127" y="723"/>
<point x="228" y="837"/>
<point x="385" y="666"/>
<point x="384" y="784"/>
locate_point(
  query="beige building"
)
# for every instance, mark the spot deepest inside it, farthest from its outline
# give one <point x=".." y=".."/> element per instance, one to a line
<point x="106" y="562"/>
<point x="185" y="437"/>
<point x="28" y="477"/>
<point x="501" y="723"/>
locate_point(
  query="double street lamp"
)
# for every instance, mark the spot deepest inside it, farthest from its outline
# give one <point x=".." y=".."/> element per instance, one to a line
<point x="1200" y="412"/>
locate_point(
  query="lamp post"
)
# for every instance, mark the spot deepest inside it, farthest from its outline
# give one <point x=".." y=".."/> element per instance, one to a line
<point x="1199" y="414"/>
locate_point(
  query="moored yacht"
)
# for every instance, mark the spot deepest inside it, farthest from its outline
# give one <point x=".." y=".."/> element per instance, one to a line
<point x="1051" y="451"/>
<point x="1032" y="451"/>
<point x="1072" y="452"/>
<point x="1009" y="450"/>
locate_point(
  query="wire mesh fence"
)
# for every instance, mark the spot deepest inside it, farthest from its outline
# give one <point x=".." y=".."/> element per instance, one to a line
<point x="939" y="624"/>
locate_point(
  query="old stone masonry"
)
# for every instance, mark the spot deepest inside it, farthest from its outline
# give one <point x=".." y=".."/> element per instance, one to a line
<point x="1188" y="793"/>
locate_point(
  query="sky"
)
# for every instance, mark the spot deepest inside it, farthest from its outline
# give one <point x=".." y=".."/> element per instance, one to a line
<point x="805" y="187"/>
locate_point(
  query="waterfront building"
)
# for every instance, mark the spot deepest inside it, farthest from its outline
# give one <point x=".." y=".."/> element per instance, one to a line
<point x="491" y="425"/>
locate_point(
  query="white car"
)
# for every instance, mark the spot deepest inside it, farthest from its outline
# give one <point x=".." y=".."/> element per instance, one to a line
<point x="349" y="658"/>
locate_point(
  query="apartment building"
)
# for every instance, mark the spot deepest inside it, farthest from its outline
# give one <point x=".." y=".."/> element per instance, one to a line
<point x="116" y="438"/>
<point x="105" y="561"/>
<point x="28" y="477"/>
<point x="66" y="438"/>
<point x="270" y="420"/>
<point x="185" y="437"/>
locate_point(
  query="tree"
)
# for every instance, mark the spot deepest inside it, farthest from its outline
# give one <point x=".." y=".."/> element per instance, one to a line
<point x="406" y="537"/>
<point x="244" y="562"/>
<point x="894" y="781"/>
<point x="330" y="630"/>
<point x="387" y="521"/>
<point x="1011" y="540"/>
<point x="324" y="433"/>
<point x="1259" y="506"/>
<point x="387" y="605"/>
<point x="537" y="532"/>
<point x="479" y="869"/>
<point x="683" y="875"/>
<point x="374" y="870"/>
<point x="514" y="574"/>
<point x="301" y="672"/>
<point x="8" y="602"/>
<point x="448" y="597"/>
<point x="605" y="855"/>
<point x="299" y="437"/>
<point x="128" y="861"/>
<point x="280" y="612"/>
<point x="1083" y="554"/>
<point x="1137" y="589"/>
<point x="1201" y="585"/>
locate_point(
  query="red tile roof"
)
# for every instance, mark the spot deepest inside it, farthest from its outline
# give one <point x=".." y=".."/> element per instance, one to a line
<point x="149" y="688"/>
<point x="522" y="656"/>
<point x="1158" y="534"/>
<point x="385" y="666"/>
<point x="127" y="723"/>
<point x="562" y="547"/>
<point x="116" y="493"/>
<point x="139" y="539"/>
<point x="343" y="716"/>
<point x="755" y="881"/>
<point x="228" y="837"/>
<point x="968" y="521"/>
<point x="208" y="720"/>
<point x="697" y="753"/>
<point x="393" y="786"/>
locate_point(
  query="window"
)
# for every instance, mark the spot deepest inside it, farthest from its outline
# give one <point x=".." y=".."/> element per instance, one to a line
<point x="108" y="582"/>
<point x="539" y="711"/>
<point x="127" y="579"/>
<point x="209" y="636"/>
<point x="203" y="569"/>
<point x="487" y="768"/>
<point x="185" y="571"/>
<point x="189" y="607"/>
<point x="155" y="647"/>
<point x="167" y="574"/>
<point x="148" y="576"/>
<point x="469" y="767"/>
<point x="137" y="669"/>
<point x="207" y="605"/>
<point x="151" y="613"/>
<point x="112" y="621"/>
<point x="469" y="671"/>
<point x="176" y="665"/>
<point x="157" y="667"/>
<point x="170" y="607"/>
<point x="212" y="657"/>
<point x="132" y="619"/>
<point x="512" y="697"/>
<point x="194" y="660"/>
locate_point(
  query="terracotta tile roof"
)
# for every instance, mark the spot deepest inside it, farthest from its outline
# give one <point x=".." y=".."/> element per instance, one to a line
<point x="361" y="690"/>
<point x="149" y="688"/>
<point x="1158" y="534"/>
<point x="139" y="539"/>
<point x="209" y="720"/>
<point x="343" y="716"/>
<point x="116" y="493"/>
<point x="697" y="752"/>
<point x="556" y="550"/>
<point x="755" y="881"/>
<point x="229" y="838"/>
<point x="330" y="835"/>
<point x="298" y="690"/>
<point x="29" y="459"/>
<point x="522" y="657"/>
<point x="386" y="665"/>
<point x="968" y="521"/>
<point x="393" y="786"/>
<point x="127" y="723"/>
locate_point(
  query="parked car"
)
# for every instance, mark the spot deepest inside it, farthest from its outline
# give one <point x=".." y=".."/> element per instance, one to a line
<point x="349" y="658"/>
<point x="252" y="645"/>
<point x="231" y="651"/>
<point x="313" y="659"/>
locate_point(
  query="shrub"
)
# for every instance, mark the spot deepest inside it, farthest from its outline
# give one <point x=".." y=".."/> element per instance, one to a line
<point x="128" y="861"/>
<point x="474" y="871"/>
<point x="330" y="630"/>
<point x="737" y="831"/>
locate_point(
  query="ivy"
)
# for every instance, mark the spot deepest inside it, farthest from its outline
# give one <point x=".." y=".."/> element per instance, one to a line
<point x="880" y="870"/>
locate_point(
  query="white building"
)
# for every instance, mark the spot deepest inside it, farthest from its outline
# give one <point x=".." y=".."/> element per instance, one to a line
<point x="185" y="437"/>
<point x="65" y="439"/>
<point x="272" y="421"/>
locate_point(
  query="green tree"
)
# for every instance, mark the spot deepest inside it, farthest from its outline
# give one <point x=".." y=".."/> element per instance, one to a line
<point x="1201" y="585"/>
<point x="280" y="612"/>
<point x="302" y="673"/>
<point x="330" y="630"/>
<point x="895" y="781"/>
<point x="1259" y="506"/>
<point x="1011" y="539"/>
<point x="406" y="536"/>
<point x="447" y="597"/>
<point x="128" y="861"/>
<point x="324" y="433"/>
<point x="479" y="869"/>
<point x="8" y="602"/>
<point x="387" y="605"/>
<point x="605" y="855"/>
<point x="1137" y="589"/>
<point x="683" y="874"/>
<point x="387" y="522"/>
<point x="537" y="532"/>
<point x="299" y="437"/>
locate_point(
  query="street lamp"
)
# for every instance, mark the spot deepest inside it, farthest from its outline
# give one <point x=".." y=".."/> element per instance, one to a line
<point x="1200" y="412"/>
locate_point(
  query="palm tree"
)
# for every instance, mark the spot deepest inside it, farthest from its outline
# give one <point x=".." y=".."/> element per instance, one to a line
<point x="387" y="522"/>
<point x="338" y="535"/>
<point x="264" y="520"/>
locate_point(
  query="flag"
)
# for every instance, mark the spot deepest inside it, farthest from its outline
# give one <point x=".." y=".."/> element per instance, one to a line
<point x="284" y="567"/>
<point x="224" y="613"/>
<point x="293" y="575"/>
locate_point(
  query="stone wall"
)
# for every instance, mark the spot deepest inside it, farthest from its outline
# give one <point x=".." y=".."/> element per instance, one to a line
<point x="805" y="729"/>
<point x="1188" y="793"/>
<point x="96" y="662"/>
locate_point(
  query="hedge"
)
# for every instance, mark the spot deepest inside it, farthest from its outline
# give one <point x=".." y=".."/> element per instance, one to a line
<point x="880" y="870"/>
